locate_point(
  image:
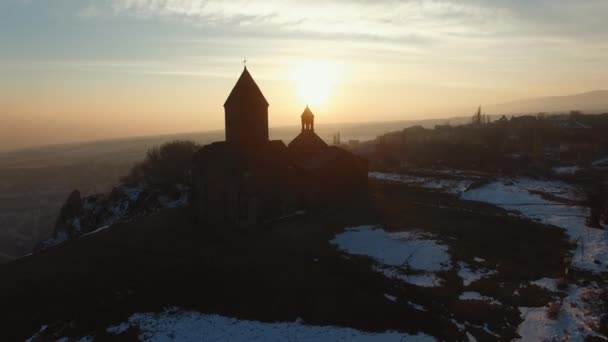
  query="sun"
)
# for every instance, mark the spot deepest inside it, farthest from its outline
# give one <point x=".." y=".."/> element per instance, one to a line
<point x="315" y="80"/>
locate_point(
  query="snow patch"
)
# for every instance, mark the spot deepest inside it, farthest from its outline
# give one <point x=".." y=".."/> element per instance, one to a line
<point x="177" y="325"/>
<point x="566" y="170"/>
<point x="470" y="276"/>
<point x="546" y="283"/>
<point x="470" y="295"/>
<point x="578" y="312"/>
<point x="96" y="230"/>
<point x="389" y="297"/>
<point x="397" y="254"/>
<point x="601" y="164"/>
<point x="449" y="185"/>
<point x="575" y="319"/>
<point x="118" y="329"/>
<point x="516" y="196"/>
<point x="37" y="335"/>
<point x="417" y="306"/>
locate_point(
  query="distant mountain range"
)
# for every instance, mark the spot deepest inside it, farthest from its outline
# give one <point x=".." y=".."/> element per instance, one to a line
<point x="593" y="101"/>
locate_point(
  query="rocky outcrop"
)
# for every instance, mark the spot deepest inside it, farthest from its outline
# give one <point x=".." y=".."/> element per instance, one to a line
<point x="68" y="222"/>
<point x="82" y="215"/>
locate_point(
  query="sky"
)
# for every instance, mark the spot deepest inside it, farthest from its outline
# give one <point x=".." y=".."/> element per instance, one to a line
<point x="74" y="70"/>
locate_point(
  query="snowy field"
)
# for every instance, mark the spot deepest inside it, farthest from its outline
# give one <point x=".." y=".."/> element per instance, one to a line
<point x="420" y="259"/>
<point x="524" y="197"/>
<point x="575" y="316"/>
<point x="413" y="257"/>
<point x="409" y="256"/>
<point x="178" y="325"/>
<point x="516" y="195"/>
<point x="417" y="259"/>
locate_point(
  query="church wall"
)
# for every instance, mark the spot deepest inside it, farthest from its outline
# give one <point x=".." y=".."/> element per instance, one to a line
<point x="246" y="124"/>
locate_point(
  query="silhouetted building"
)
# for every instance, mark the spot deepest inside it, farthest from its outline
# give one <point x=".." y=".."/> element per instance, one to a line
<point x="308" y="120"/>
<point x="307" y="142"/>
<point x="241" y="186"/>
<point x="247" y="179"/>
<point x="246" y="112"/>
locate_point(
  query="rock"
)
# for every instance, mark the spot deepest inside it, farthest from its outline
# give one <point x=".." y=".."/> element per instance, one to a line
<point x="81" y="215"/>
<point x="68" y="221"/>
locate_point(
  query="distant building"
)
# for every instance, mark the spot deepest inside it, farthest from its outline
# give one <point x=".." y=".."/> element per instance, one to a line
<point x="577" y="140"/>
<point x="249" y="179"/>
<point x="578" y="146"/>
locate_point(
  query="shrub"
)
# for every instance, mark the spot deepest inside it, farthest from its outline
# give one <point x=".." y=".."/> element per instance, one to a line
<point x="165" y="166"/>
<point x="553" y="310"/>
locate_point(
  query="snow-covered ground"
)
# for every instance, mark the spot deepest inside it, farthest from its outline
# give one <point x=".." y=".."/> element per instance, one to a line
<point x="574" y="321"/>
<point x="549" y="284"/>
<point x="178" y="325"/>
<point x="524" y="196"/>
<point x="566" y="170"/>
<point x="576" y="316"/>
<point x="601" y="164"/>
<point x="454" y="185"/>
<point x="516" y="195"/>
<point x="470" y="275"/>
<point x="470" y="295"/>
<point x="104" y="210"/>
<point x="410" y="256"/>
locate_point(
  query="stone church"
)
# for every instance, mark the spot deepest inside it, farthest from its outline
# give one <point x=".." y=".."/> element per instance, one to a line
<point x="248" y="179"/>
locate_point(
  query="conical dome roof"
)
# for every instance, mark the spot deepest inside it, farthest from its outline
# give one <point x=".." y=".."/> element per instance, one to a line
<point x="245" y="90"/>
<point x="307" y="141"/>
<point x="307" y="113"/>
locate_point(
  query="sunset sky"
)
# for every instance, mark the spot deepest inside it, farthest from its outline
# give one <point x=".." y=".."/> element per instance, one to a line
<point x="74" y="70"/>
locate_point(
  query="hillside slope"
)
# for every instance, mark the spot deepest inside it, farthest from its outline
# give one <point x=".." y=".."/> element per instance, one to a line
<point x="593" y="101"/>
<point x="287" y="271"/>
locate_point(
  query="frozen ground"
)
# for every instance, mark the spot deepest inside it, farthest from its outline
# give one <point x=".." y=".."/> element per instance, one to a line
<point x="601" y="164"/>
<point x="566" y="170"/>
<point x="517" y="195"/>
<point x="524" y="196"/>
<point x="553" y="203"/>
<point x="453" y="185"/>
<point x="470" y="275"/>
<point x="178" y="325"/>
<point x="576" y="316"/>
<point x="414" y="257"/>
<point x="470" y="295"/>
<point x="411" y="256"/>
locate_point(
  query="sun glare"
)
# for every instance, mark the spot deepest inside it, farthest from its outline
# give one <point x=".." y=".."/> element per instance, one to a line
<point x="315" y="80"/>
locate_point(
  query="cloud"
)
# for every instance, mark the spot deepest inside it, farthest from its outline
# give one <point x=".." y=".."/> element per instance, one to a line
<point x="90" y="11"/>
<point x="411" y="21"/>
<point x="377" y="18"/>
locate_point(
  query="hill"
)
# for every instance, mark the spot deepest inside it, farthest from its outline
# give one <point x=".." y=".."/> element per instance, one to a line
<point x="593" y="101"/>
<point x="36" y="181"/>
<point x="301" y="268"/>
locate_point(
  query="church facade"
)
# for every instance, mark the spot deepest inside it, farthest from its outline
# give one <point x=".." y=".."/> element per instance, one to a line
<point x="249" y="179"/>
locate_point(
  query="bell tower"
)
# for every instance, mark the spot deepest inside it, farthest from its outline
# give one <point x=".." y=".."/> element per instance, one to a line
<point x="308" y="120"/>
<point x="246" y="113"/>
